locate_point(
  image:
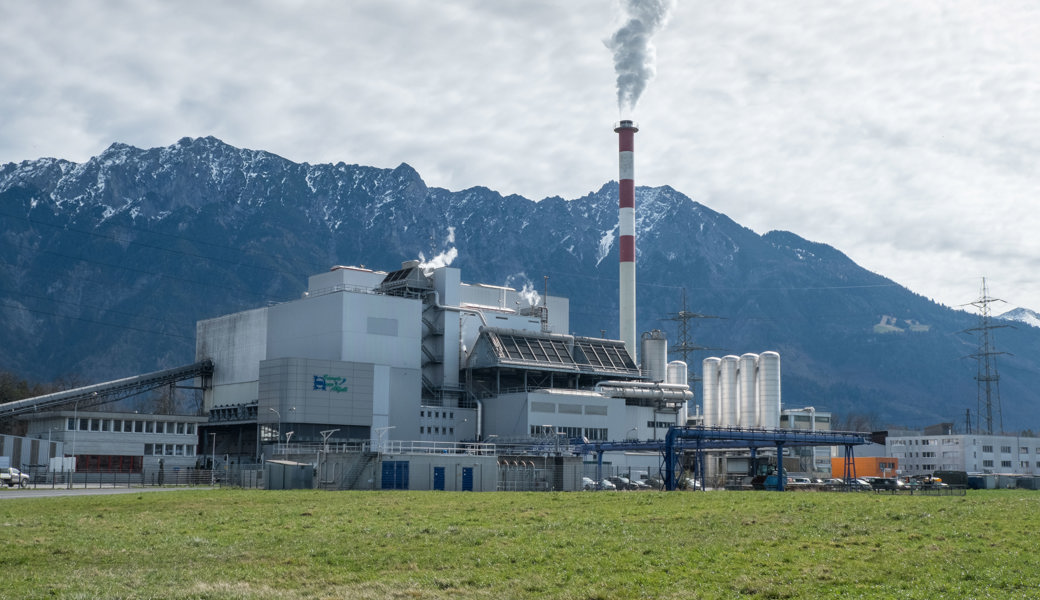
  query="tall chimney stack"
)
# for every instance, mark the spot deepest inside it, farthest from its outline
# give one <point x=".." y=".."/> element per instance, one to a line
<point x="626" y="131"/>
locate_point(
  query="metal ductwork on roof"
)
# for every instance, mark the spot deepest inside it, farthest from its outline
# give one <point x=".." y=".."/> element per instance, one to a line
<point x="409" y="281"/>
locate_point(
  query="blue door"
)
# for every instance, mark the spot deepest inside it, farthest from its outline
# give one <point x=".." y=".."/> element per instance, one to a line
<point x="438" y="478"/>
<point x="395" y="475"/>
<point x="467" y="479"/>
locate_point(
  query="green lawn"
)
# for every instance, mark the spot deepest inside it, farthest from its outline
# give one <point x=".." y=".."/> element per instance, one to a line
<point x="307" y="544"/>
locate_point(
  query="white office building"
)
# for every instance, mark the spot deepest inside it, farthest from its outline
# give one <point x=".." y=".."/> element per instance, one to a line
<point x="972" y="453"/>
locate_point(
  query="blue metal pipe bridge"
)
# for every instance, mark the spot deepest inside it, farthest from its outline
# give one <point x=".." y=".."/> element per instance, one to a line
<point x="699" y="440"/>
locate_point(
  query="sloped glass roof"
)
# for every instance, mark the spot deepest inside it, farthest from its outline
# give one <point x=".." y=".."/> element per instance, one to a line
<point x="559" y="352"/>
<point x="607" y="355"/>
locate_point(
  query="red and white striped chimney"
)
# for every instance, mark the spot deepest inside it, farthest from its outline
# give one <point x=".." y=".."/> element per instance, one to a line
<point x="626" y="131"/>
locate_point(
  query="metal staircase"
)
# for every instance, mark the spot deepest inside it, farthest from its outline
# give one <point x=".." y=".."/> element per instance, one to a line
<point x="351" y="477"/>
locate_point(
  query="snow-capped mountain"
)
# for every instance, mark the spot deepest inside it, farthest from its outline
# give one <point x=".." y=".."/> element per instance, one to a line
<point x="1022" y="315"/>
<point x="107" y="265"/>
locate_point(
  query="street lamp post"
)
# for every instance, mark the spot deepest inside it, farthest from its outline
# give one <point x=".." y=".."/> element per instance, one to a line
<point x="213" y="459"/>
<point x="325" y="435"/>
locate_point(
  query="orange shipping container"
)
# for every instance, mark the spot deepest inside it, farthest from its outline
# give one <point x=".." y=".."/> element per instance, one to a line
<point x="866" y="466"/>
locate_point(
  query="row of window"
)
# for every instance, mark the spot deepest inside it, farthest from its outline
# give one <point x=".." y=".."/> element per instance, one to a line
<point x="108" y="464"/>
<point x="1007" y="449"/>
<point x="438" y="430"/>
<point x="128" y="426"/>
<point x="954" y="441"/>
<point x="437" y="414"/>
<point x="593" y="434"/>
<point x="169" y="450"/>
<point x="1006" y="464"/>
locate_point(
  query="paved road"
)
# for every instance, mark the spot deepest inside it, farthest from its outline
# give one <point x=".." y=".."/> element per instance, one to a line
<point x="15" y="493"/>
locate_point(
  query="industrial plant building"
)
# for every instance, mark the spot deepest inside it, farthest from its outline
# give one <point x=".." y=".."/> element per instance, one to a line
<point x="417" y="356"/>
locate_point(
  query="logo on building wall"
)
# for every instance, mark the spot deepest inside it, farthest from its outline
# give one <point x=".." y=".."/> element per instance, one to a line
<point x="328" y="383"/>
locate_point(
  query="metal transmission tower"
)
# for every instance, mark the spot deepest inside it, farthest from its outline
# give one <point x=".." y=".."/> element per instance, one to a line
<point x="685" y="345"/>
<point x="987" y="377"/>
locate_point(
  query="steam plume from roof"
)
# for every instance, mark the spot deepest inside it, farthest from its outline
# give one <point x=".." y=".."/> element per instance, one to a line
<point x="633" y="53"/>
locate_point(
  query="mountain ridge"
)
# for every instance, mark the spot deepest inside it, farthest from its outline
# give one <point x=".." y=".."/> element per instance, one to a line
<point x="109" y="263"/>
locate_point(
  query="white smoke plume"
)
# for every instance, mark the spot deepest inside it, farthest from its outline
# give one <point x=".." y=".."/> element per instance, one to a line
<point x="443" y="259"/>
<point x="529" y="294"/>
<point x="633" y="53"/>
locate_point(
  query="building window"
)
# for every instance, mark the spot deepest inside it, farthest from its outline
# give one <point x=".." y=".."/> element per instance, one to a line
<point x="71" y="425"/>
<point x="987" y="463"/>
<point x="106" y="425"/>
<point x="117" y="426"/>
<point x="138" y="426"/>
<point x="191" y="429"/>
<point x="1005" y="449"/>
<point x="987" y="448"/>
<point x="1005" y="464"/>
<point x="596" y="434"/>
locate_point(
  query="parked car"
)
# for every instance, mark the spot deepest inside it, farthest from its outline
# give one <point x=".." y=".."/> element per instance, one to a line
<point x="607" y="485"/>
<point x="621" y="483"/>
<point x="587" y="483"/>
<point x="887" y="484"/>
<point x="12" y="477"/>
<point x="798" y="481"/>
<point x="639" y="485"/>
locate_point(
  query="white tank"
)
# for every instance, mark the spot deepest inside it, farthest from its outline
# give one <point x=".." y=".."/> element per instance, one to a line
<point x="710" y="391"/>
<point x="769" y="390"/>
<point x="677" y="373"/>
<point x="746" y="392"/>
<point x="654" y="354"/>
<point x="728" y="401"/>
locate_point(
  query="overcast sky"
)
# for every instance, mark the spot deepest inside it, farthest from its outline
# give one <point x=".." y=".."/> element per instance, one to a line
<point x="904" y="133"/>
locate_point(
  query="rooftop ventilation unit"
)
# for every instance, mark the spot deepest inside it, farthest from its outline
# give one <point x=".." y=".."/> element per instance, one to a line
<point x="409" y="281"/>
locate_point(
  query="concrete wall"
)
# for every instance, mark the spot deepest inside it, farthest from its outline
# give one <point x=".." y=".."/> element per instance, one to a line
<point x="348" y="327"/>
<point x="236" y="344"/>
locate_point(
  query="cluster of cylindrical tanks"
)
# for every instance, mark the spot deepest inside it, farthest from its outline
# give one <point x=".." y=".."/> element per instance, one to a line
<point x="742" y="391"/>
<point x="654" y="352"/>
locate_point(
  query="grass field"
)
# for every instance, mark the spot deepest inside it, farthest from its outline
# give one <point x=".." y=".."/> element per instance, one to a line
<point x="306" y="544"/>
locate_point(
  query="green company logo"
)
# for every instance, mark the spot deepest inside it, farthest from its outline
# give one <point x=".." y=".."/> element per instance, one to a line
<point x="328" y="383"/>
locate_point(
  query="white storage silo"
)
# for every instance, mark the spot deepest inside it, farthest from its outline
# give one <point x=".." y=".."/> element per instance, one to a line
<point x="654" y="355"/>
<point x="710" y="391"/>
<point x="728" y="400"/>
<point x="769" y="390"/>
<point x="747" y="394"/>
<point x="677" y="373"/>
